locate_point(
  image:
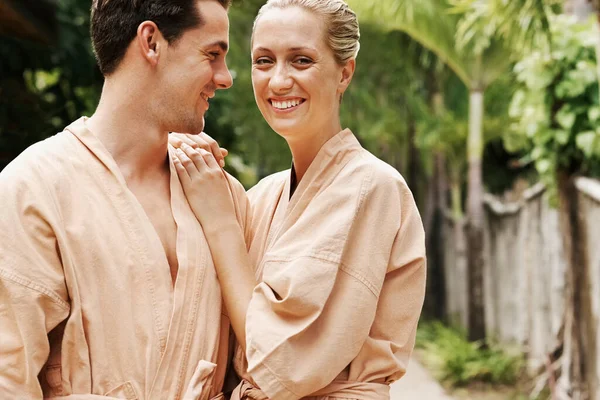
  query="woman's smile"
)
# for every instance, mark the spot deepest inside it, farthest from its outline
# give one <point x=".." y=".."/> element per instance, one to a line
<point x="286" y="105"/>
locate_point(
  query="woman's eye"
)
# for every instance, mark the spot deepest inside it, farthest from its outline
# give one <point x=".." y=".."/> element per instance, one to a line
<point x="303" y="61"/>
<point x="262" y="61"/>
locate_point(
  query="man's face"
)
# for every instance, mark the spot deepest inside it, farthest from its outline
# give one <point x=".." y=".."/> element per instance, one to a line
<point x="193" y="69"/>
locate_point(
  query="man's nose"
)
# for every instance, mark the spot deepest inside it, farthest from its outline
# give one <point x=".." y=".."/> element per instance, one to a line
<point x="223" y="78"/>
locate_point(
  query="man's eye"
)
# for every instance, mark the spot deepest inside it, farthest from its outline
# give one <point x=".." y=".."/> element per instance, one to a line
<point x="214" y="54"/>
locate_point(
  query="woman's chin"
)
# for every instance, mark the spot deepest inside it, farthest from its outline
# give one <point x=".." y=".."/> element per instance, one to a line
<point x="287" y="129"/>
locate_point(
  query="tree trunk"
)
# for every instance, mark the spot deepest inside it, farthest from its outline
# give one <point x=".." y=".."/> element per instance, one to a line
<point x="435" y="303"/>
<point x="578" y="372"/>
<point x="456" y="195"/>
<point x="475" y="263"/>
<point x="414" y="162"/>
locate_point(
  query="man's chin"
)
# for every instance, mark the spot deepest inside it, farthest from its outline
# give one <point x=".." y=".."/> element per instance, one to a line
<point x="193" y="127"/>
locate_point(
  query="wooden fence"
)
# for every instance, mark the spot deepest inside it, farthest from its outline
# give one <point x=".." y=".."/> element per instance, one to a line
<point x="525" y="270"/>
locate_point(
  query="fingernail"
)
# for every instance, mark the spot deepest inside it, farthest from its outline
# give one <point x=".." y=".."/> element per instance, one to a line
<point x="222" y="163"/>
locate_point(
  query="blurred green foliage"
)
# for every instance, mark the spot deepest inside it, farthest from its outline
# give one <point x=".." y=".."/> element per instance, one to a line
<point x="556" y="108"/>
<point x="43" y="88"/>
<point x="459" y="362"/>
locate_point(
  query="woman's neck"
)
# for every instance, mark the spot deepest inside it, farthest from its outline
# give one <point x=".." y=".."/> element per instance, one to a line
<point x="305" y="148"/>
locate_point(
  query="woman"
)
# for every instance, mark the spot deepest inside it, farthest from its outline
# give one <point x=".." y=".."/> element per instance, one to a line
<point x="326" y="300"/>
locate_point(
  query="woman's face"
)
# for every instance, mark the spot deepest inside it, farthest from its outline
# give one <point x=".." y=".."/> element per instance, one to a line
<point x="297" y="82"/>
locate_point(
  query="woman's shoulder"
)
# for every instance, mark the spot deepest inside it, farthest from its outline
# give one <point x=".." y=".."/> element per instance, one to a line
<point x="376" y="174"/>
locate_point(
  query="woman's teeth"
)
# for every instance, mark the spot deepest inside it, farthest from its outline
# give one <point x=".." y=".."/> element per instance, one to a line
<point x="282" y="105"/>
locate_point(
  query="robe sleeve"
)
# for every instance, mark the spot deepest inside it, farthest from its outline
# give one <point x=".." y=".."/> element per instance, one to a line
<point x="33" y="295"/>
<point x="314" y="310"/>
<point x="385" y="354"/>
<point x="242" y="207"/>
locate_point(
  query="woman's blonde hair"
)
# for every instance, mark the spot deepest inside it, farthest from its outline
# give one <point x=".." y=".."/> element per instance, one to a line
<point x="342" y="25"/>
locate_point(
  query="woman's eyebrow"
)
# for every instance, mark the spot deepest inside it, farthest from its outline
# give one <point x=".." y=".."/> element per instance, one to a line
<point x="301" y="48"/>
<point x="295" y="48"/>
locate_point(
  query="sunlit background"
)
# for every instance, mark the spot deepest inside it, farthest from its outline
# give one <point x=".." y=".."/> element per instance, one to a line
<point x="490" y="110"/>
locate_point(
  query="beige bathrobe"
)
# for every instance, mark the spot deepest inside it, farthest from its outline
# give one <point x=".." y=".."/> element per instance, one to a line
<point x="341" y="267"/>
<point x="88" y="309"/>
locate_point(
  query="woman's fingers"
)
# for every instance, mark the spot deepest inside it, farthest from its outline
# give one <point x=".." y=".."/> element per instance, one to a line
<point x="184" y="177"/>
<point x="192" y="160"/>
<point x="215" y="149"/>
<point x="209" y="159"/>
<point x="177" y="139"/>
<point x="200" y="141"/>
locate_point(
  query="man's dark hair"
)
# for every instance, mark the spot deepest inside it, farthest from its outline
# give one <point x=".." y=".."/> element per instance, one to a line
<point x="114" y="24"/>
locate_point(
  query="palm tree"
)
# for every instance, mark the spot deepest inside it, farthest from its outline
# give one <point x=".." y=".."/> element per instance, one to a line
<point x="527" y="23"/>
<point x="477" y="64"/>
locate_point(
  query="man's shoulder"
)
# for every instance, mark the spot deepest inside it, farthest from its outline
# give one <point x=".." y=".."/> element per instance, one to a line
<point x="41" y="162"/>
<point x="236" y="186"/>
<point x="269" y="183"/>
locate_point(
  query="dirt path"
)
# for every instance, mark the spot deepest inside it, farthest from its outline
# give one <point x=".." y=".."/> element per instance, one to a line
<point x="418" y="384"/>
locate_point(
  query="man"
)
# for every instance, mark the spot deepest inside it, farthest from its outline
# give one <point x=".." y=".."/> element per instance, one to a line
<point x="107" y="287"/>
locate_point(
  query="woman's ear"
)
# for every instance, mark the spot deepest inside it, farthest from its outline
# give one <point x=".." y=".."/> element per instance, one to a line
<point x="150" y="41"/>
<point x="347" y="74"/>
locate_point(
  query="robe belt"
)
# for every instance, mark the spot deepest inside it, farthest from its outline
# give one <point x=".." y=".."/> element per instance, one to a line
<point x="99" y="397"/>
<point x="342" y="389"/>
<point x="194" y="390"/>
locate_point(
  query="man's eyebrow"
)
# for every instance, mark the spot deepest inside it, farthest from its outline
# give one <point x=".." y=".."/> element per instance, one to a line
<point x="220" y="43"/>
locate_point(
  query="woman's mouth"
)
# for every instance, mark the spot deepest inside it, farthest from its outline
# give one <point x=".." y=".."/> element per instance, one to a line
<point x="286" y="105"/>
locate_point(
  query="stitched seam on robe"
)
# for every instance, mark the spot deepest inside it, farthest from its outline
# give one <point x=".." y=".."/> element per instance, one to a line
<point x="279" y="380"/>
<point x="332" y="260"/>
<point x="362" y="280"/>
<point x="197" y="290"/>
<point x="38" y="288"/>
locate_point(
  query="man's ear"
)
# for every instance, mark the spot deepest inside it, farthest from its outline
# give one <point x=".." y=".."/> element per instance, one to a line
<point x="150" y="41"/>
<point x="347" y="74"/>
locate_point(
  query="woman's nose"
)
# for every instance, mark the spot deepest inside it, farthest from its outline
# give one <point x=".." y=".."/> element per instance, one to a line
<point x="281" y="79"/>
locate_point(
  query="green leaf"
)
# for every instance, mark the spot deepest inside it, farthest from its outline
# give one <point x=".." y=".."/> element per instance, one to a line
<point x="561" y="137"/>
<point x="594" y="114"/>
<point x="537" y="153"/>
<point x="585" y="142"/>
<point x="565" y="117"/>
<point x="572" y="86"/>
<point x="543" y="165"/>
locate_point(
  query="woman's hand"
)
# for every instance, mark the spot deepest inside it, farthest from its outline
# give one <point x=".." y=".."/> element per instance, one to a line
<point x="200" y="141"/>
<point x="205" y="187"/>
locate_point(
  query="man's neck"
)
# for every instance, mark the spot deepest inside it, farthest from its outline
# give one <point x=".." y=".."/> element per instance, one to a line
<point x="124" y="125"/>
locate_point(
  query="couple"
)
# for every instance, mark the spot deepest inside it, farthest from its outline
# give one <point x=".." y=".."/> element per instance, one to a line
<point x="125" y="260"/>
